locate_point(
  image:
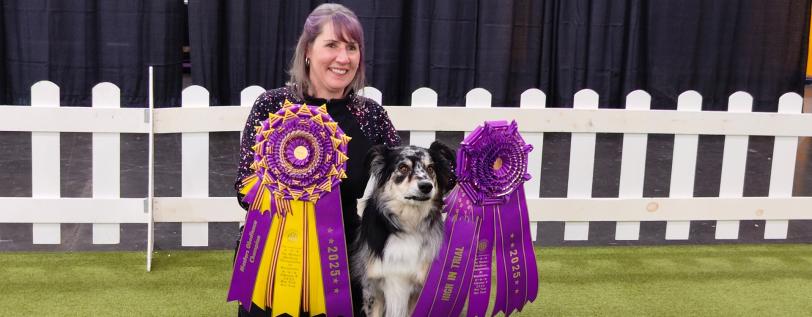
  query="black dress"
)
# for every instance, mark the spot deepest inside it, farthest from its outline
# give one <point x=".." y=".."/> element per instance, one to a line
<point x="362" y="119"/>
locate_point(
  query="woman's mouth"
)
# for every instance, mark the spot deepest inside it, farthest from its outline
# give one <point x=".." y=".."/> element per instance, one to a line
<point x="338" y="71"/>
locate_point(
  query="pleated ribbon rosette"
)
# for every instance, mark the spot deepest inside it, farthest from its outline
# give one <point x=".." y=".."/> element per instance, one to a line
<point x="486" y="211"/>
<point x="293" y="254"/>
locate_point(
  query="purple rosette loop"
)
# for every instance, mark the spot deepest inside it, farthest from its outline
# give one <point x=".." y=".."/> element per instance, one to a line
<point x="490" y="205"/>
<point x="492" y="162"/>
<point x="300" y="154"/>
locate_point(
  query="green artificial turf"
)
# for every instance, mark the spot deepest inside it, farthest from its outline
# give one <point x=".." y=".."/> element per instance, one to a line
<point x="719" y="280"/>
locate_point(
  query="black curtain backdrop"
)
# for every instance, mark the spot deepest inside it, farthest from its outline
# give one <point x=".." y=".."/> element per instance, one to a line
<point x="80" y="43"/>
<point x="236" y="44"/>
<point x="614" y="47"/>
<point x="506" y="47"/>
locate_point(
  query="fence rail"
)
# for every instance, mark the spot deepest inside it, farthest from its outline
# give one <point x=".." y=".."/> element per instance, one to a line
<point x="195" y="119"/>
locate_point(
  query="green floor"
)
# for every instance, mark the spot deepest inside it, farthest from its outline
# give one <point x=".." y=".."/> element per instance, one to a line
<point x="722" y="280"/>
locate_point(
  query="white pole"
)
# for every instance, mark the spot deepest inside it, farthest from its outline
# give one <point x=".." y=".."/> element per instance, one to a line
<point x="150" y="171"/>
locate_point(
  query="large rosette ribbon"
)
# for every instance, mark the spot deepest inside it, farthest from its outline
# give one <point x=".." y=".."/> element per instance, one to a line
<point x="293" y="254"/>
<point x="486" y="210"/>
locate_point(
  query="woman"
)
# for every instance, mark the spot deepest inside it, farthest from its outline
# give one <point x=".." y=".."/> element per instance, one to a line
<point x="328" y="68"/>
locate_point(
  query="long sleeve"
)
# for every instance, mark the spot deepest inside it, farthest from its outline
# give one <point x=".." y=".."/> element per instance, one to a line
<point x="375" y="122"/>
<point x="389" y="135"/>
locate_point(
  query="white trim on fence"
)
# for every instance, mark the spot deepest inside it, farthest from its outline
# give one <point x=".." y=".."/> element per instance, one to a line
<point x="56" y="210"/>
<point x="195" y="119"/>
<point x="224" y="209"/>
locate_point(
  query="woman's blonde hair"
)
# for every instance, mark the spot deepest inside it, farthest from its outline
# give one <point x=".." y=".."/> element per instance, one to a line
<point x="345" y="24"/>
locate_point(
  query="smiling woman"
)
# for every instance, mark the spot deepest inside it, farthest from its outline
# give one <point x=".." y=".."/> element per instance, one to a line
<point x="327" y="70"/>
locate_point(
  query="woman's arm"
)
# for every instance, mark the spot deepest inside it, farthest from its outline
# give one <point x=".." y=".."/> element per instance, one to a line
<point x="265" y="104"/>
<point x="380" y="125"/>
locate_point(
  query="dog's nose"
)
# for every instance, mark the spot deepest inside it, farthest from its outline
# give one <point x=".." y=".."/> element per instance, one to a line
<point x="425" y="187"/>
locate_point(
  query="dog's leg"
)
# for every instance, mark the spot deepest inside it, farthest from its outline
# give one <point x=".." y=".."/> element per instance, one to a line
<point x="396" y="292"/>
<point x="373" y="298"/>
<point x="377" y="304"/>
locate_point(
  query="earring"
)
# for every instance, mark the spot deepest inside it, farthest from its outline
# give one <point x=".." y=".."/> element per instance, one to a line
<point x="307" y="61"/>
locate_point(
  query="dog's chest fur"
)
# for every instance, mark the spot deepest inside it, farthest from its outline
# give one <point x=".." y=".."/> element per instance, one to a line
<point x="409" y="252"/>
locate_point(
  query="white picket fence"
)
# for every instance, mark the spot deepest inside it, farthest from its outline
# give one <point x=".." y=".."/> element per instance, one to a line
<point x="195" y="119"/>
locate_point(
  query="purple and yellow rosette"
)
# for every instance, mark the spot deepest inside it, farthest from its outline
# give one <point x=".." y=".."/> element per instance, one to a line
<point x="293" y="254"/>
<point x="486" y="211"/>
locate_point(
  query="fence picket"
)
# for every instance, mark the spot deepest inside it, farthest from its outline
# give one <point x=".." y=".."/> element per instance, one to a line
<point x="582" y="163"/>
<point x="633" y="166"/>
<point x="106" y="163"/>
<point x="683" y="166"/>
<point x="45" y="154"/>
<point x="250" y="94"/>
<point x="477" y="98"/>
<point x="423" y="98"/>
<point x="783" y="166"/>
<point x="734" y="161"/>
<point x="532" y="99"/>
<point x="195" y="167"/>
<point x="372" y="93"/>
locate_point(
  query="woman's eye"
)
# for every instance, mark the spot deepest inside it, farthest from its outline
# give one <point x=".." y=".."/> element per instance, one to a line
<point x="352" y="48"/>
<point x="331" y="45"/>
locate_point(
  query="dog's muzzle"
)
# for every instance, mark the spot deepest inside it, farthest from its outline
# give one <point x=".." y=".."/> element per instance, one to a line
<point x="425" y="189"/>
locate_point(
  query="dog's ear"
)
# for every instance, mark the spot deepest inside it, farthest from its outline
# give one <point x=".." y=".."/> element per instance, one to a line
<point x="375" y="160"/>
<point x="444" y="165"/>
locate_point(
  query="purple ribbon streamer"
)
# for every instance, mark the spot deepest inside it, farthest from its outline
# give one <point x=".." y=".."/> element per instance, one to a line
<point x="333" y="251"/>
<point x="500" y="303"/>
<point x="467" y="271"/>
<point x="517" y="279"/>
<point x="252" y="244"/>
<point x="532" y="277"/>
<point x="479" y="294"/>
<point x="442" y="291"/>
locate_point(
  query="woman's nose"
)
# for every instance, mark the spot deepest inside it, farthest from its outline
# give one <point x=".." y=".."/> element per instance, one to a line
<point x="342" y="56"/>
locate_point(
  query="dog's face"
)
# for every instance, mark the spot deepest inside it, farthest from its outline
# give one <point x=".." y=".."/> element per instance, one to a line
<point x="412" y="175"/>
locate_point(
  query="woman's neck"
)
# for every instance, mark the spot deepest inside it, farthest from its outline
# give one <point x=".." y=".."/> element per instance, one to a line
<point x="327" y="95"/>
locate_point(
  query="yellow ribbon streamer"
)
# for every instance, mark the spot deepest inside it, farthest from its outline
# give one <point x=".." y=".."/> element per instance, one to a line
<point x="290" y="271"/>
<point x="287" y="284"/>
<point x="264" y="275"/>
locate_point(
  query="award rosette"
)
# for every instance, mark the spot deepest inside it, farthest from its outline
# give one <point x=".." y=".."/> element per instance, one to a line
<point x="486" y="211"/>
<point x="293" y="254"/>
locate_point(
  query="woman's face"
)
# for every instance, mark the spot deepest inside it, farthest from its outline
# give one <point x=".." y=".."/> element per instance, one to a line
<point x="333" y="63"/>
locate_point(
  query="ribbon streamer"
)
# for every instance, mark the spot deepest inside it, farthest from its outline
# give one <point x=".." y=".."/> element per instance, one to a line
<point x="487" y="213"/>
<point x="292" y="255"/>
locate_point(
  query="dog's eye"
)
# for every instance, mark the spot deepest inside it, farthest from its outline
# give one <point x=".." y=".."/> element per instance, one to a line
<point x="403" y="169"/>
<point x="430" y="170"/>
